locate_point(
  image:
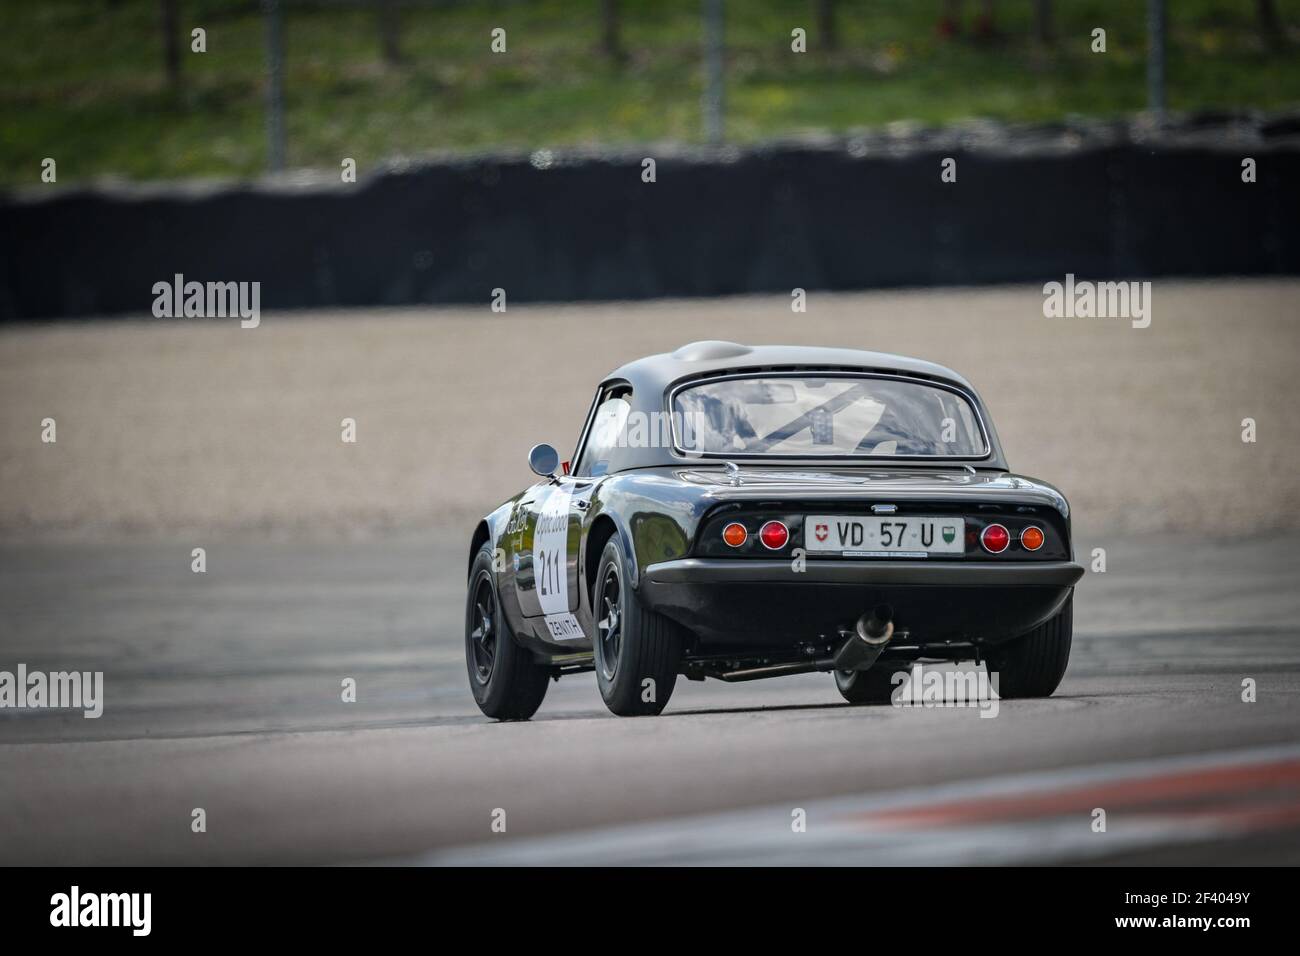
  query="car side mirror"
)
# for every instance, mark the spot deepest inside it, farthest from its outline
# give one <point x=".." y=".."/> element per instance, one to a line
<point x="544" y="460"/>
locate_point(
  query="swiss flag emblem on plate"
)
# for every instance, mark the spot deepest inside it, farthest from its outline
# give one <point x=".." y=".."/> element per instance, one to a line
<point x="821" y="531"/>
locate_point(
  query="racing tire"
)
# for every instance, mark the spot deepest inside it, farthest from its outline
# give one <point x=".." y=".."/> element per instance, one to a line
<point x="1032" y="665"/>
<point x="633" y="645"/>
<point x="507" y="681"/>
<point x="872" y="686"/>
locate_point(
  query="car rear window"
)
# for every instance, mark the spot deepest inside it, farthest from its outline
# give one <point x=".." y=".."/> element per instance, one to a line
<point x="814" y="416"/>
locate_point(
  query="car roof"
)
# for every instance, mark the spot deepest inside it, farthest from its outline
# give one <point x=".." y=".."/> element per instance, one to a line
<point x="652" y="377"/>
<point x="655" y="373"/>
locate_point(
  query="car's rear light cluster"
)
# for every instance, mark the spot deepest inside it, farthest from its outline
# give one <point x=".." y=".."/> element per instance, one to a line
<point x="774" y="535"/>
<point x="995" y="538"/>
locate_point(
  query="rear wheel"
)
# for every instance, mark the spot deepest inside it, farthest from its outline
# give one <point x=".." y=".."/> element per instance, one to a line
<point x="1033" y="665"/>
<point x="872" y="686"/>
<point x="507" y="681"/>
<point x="637" y="650"/>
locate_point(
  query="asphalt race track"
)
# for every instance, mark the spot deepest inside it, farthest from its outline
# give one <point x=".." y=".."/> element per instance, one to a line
<point x="222" y="692"/>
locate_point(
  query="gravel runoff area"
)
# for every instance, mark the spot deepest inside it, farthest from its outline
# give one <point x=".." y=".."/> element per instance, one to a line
<point x="199" y="426"/>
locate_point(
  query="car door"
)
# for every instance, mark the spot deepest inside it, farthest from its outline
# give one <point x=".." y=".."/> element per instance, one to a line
<point x="547" y="574"/>
<point x="547" y="578"/>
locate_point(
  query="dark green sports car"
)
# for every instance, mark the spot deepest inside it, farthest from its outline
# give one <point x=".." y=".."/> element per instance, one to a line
<point x="743" y="512"/>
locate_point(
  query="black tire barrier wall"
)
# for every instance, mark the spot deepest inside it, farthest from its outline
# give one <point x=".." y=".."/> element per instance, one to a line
<point x="765" y="220"/>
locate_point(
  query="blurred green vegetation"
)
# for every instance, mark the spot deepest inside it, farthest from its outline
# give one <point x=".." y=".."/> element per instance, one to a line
<point x="85" y="80"/>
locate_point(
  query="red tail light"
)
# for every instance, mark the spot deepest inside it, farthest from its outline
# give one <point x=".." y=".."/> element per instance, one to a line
<point x="774" y="535"/>
<point x="995" y="538"/>
<point x="735" y="534"/>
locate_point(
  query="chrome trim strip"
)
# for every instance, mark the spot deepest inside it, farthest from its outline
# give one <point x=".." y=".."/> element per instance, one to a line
<point x="696" y="572"/>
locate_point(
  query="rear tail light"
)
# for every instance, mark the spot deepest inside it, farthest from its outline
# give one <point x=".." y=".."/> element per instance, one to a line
<point x="1032" y="538"/>
<point x="995" y="538"/>
<point x="774" y="535"/>
<point x="735" y="534"/>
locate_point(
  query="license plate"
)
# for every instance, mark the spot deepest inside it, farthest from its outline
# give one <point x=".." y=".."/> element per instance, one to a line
<point x="855" y="536"/>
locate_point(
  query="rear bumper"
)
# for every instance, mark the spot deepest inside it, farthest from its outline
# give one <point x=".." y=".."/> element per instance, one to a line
<point x="766" y="603"/>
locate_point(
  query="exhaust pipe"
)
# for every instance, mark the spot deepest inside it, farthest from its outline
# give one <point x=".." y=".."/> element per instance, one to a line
<point x="878" y="627"/>
<point x="872" y="632"/>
